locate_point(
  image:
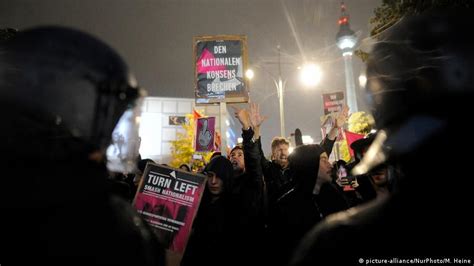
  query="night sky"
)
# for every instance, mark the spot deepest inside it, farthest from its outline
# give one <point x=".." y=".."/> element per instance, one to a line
<point x="155" y="38"/>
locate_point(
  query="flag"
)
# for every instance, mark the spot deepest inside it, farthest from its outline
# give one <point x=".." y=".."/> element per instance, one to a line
<point x="196" y="114"/>
<point x="350" y="138"/>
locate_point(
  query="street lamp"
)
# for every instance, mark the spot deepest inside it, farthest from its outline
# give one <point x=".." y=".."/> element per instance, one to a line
<point x="280" y="89"/>
<point x="249" y="74"/>
<point x="310" y="75"/>
<point x="346" y="40"/>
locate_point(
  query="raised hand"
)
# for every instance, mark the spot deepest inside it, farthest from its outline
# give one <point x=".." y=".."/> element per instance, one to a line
<point x="254" y="115"/>
<point x="242" y="115"/>
<point x="342" y="117"/>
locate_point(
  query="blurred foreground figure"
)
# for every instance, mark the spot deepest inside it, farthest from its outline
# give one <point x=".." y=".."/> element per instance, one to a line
<point x="421" y="83"/>
<point x="62" y="93"/>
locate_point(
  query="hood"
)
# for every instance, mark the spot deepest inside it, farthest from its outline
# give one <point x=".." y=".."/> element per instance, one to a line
<point x="222" y="167"/>
<point x="304" y="162"/>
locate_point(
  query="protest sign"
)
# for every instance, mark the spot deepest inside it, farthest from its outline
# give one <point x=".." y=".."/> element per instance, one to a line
<point x="219" y="63"/>
<point x="168" y="199"/>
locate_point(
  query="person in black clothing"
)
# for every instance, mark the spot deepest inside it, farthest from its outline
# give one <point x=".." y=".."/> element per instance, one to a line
<point x="137" y="177"/>
<point x="277" y="173"/>
<point x="62" y="93"/>
<point x="279" y="178"/>
<point x="420" y="78"/>
<point x="126" y="185"/>
<point x="311" y="199"/>
<point x="379" y="181"/>
<point x="357" y="189"/>
<point x="348" y="185"/>
<point x="214" y="228"/>
<point x="249" y="186"/>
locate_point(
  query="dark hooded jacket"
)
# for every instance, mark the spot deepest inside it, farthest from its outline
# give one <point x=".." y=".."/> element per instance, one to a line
<point x="299" y="209"/>
<point x="213" y="228"/>
<point x="249" y="188"/>
<point x="420" y="79"/>
<point x="278" y="180"/>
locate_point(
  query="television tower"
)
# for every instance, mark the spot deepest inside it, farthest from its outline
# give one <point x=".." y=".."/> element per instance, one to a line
<point x="346" y="40"/>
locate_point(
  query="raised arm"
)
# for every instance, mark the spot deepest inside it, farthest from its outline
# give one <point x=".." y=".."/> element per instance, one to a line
<point x="251" y="148"/>
<point x="256" y="120"/>
<point x="328" y="142"/>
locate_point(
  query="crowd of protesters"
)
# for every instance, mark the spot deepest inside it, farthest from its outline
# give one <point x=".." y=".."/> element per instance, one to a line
<point x="64" y="91"/>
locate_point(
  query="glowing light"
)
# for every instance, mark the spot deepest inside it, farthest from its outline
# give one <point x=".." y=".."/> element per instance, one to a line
<point x="346" y="42"/>
<point x="362" y="80"/>
<point x="249" y="74"/>
<point x="310" y="75"/>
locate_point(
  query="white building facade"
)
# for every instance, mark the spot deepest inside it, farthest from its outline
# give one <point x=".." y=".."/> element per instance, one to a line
<point x="160" y="124"/>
